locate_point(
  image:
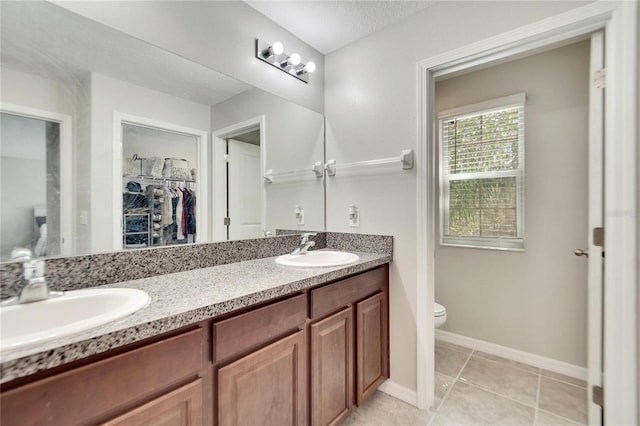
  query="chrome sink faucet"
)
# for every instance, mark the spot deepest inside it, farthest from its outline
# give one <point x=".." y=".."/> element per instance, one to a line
<point x="305" y="244"/>
<point x="35" y="286"/>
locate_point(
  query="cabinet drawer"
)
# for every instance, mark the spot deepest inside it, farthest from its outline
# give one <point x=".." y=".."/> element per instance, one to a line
<point x="85" y="393"/>
<point x="332" y="297"/>
<point x="181" y="407"/>
<point x="248" y="330"/>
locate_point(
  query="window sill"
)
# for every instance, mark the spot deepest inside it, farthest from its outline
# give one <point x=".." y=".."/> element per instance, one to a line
<point x="514" y="245"/>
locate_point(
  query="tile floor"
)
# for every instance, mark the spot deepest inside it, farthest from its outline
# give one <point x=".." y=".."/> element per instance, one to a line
<point x="476" y="388"/>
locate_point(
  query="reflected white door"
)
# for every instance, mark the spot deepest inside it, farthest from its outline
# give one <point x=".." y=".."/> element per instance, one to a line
<point x="596" y="204"/>
<point x="244" y="189"/>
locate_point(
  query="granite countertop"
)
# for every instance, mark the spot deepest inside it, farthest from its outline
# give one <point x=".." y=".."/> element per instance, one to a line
<point x="178" y="300"/>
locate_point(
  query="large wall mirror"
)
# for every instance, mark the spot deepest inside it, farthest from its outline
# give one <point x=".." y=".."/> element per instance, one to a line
<point x="110" y="143"/>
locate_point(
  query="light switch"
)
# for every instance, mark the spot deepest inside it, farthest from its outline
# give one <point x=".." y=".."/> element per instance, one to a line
<point x="354" y="216"/>
<point x="299" y="212"/>
<point x="84" y="217"/>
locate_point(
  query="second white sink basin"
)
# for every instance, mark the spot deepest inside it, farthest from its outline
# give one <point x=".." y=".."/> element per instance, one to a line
<point x="320" y="258"/>
<point x="30" y="324"/>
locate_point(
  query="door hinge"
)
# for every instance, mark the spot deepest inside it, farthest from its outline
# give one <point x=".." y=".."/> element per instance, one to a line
<point x="227" y="221"/>
<point x="597" y="395"/>
<point x="226" y="158"/>
<point x="599" y="78"/>
<point x="598" y="237"/>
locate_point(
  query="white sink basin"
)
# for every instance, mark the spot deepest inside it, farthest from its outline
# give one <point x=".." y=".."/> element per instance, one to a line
<point x="30" y="324"/>
<point x="320" y="258"/>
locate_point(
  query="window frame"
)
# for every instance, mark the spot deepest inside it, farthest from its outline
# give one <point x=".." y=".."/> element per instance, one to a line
<point x="484" y="242"/>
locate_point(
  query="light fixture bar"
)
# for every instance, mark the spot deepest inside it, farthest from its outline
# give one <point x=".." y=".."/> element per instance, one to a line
<point x="288" y="63"/>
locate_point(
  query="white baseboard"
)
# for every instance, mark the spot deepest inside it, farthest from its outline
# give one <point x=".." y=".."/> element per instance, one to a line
<point x="398" y="391"/>
<point x="514" y="354"/>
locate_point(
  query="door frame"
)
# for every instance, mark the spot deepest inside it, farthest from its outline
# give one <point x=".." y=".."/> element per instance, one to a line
<point x="218" y="186"/>
<point x="202" y="180"/>
<point x="619" y="20"/>
<point x="67" y="197"/>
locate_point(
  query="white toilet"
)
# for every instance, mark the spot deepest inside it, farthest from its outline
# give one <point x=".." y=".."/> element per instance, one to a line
<point x="439" y="315"/>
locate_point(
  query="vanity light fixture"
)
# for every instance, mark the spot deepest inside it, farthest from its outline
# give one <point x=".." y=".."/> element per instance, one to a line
<point x="274" y="55"/>
<point x="276" y="49"/>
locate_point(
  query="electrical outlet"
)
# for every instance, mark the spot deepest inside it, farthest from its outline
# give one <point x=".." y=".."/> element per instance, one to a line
<point x="354" y="216"/>
<point x="299" y="212"/>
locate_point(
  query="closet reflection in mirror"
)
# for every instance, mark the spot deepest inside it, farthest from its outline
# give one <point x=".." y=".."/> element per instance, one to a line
<point x="102" y="86"/>
<point x="159" y="193"/>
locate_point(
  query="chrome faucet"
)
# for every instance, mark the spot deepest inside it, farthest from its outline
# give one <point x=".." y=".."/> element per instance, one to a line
<point x="35" y="286"/>
<point x="305" y="244"/>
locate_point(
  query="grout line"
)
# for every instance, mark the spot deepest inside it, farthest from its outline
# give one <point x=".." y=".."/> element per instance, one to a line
<point x="464" y="365"/>
<point x="507" y="365"/>
<point x="498" y="394"/>
<point x="562" y="381"/>
<point x="453" y="382"/>
<point x="535" y="413"/>
<point x="510" y="364"/>
<point x="562" y="417"/>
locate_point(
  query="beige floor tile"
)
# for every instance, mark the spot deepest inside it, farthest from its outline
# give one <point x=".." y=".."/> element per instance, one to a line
<point x="516" y="364"/>
<point x="443" y="384"/>
<point x="563" y="399"/>
<point x="449" y="361"/>
<point x="384" y="410"/>
<point x="502" y="379"/>
<point x="469" y="405"/>
<point x="440" y="420"/>
<point x="453" y="346"/>
<point x="547" y="419"/>
<point x="563" y="378"/>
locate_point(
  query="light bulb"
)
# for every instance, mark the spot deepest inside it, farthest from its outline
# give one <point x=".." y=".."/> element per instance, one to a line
<point x="277" y="48"/>
<point x="294" y="59"/>
<point x="311" y="67"/>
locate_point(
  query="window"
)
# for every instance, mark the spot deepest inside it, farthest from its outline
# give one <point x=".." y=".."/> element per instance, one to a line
<point x="482" y="174"/>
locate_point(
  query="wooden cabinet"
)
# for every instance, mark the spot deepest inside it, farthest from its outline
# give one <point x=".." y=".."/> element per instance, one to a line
<point x="349" y="350"/>
<point x="307" y="358"/>
<point x="372" y="345"/>
<point x="331" y="353"/>
<point x="99" y="391"/>
<point x="266" y="387"/>
<point x="182" y="407"/>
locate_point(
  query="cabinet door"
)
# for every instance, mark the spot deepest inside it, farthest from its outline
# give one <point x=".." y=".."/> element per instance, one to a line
<point x="372" y="345"/>
<point x="265" y="387"/>
<point x="332" y="368"/>
<point x="182" y="407"/>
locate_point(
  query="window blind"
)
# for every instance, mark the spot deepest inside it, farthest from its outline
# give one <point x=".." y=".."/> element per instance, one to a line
<point x="482" y="176"/>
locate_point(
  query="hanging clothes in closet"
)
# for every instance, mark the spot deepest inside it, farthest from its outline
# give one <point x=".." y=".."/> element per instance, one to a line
<point x="182" y="226"/>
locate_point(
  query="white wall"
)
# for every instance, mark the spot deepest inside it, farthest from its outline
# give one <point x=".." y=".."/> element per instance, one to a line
<point x="534" y="301"/>
<point x="294" y="140"/>
<point x="108" y="96"/>
<point x="371" y="114"/>
<point x="217" y="34"/>
<point x="147" y="143"/>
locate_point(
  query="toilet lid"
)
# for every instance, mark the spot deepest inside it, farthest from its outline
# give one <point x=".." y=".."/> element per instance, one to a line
<point x="438" y="310"/>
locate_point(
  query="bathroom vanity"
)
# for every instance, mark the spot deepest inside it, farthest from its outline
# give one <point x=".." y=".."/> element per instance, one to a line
<point x="242" y="347"/>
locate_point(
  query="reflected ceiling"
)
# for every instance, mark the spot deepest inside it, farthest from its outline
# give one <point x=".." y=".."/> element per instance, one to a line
<point x="104" y="51"/>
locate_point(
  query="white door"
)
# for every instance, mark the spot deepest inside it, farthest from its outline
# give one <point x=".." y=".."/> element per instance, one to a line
<point x="244" y="189"/>
<point x="596" y="207"/>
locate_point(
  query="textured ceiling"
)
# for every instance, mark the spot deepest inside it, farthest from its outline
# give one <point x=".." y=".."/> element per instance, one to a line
<point x="331" y="24"/>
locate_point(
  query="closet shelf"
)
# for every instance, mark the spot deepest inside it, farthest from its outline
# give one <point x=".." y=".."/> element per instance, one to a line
<point x="405" y="159"/>
<point x="155" y="179"/>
